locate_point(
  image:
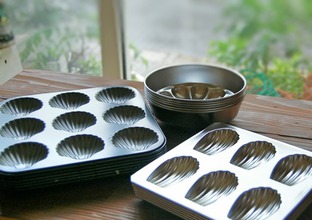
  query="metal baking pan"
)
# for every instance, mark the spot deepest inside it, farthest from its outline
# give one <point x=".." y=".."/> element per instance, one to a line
<point x="78" y="130"/>
<point x="225" y="172"/>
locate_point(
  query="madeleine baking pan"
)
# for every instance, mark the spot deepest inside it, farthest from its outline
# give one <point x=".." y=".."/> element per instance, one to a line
<point x="225" y="172"/>
<point x="55" y="138"/>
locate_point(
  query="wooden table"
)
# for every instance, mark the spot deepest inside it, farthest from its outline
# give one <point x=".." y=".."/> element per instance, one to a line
<point x="112" y="198"/>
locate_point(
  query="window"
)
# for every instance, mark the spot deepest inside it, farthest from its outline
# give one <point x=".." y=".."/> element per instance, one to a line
<point x="57" y="35"/>
<point x="268" y="41"/>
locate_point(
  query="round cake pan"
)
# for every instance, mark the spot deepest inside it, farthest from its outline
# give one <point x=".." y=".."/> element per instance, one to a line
<point x="195" y="112"/>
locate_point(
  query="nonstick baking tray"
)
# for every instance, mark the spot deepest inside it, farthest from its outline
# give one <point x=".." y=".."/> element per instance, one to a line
<point x="54" y="138"/>
<point x="225" y="172"/>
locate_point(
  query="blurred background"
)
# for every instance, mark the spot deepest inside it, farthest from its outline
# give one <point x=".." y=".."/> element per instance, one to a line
<point x="268" y="41"/>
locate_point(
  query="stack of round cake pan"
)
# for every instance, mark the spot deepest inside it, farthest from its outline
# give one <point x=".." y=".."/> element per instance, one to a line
<point x="211" y="92"/>
<point x="56" y="138"/>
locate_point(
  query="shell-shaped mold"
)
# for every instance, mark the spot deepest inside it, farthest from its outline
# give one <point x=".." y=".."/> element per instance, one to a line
<point x="217" y="141"/>
<point x="80" y="147"/>
<point x="23" y="155"/>
<point x="135" y="138"/>
<point x="69" y="100"/>
<point x="250" y="155"/>
<point x="124" y="115"/>
<point x="21" y="106"/>
<point x="211" y="187"/>
<point x="22" y="128"/>
<point x="117" y="95"/>
<point x="292" y="169"/>
<point x="199" y="91"/>
<point x="174" y="170"/>
<point x="257" y="203"/>
<point x="74" y="121"/>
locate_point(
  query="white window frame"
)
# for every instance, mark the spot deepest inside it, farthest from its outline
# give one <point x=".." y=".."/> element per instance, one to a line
<point x="113" y="44"/>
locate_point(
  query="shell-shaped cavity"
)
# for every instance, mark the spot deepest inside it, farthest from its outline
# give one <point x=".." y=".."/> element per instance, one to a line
<point x="211" y="187"/>
<point x="21" y="106"/>
<point x="124" y="115"/>
<point x="69" y="100"/>
<point x="22" y="128"/>
<point x="74" y="121"/>
<point x="191" y="90"/>
<point x="80" y="147"/>
<point x="117" y="95"/>
<point x="200" y="91"/>
<point x="181" y="91"/>
<point x="215" y="93"/>
<point x="217" y="141"/>
<point x="250" y="155"/>
<point x="292" y="169"/>
<point x="135" y="138"/>
<point x="256" y="203"/>
<point x="23" y="155"/>
<point x="174" y="170"/>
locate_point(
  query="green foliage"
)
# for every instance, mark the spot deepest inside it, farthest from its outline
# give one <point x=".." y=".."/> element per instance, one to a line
<point x="261" y="84"/>
<point x="137" y="54"/>
<point x="56" y="35"/>
<point x="263" y="37"/>
<point x="90" y="66"/>
<point x="286" y="75"/>
<point x="33" y="48"/>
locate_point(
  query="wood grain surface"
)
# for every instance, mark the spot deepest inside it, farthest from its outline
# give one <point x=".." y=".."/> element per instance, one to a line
<point x="113" y="198"/>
